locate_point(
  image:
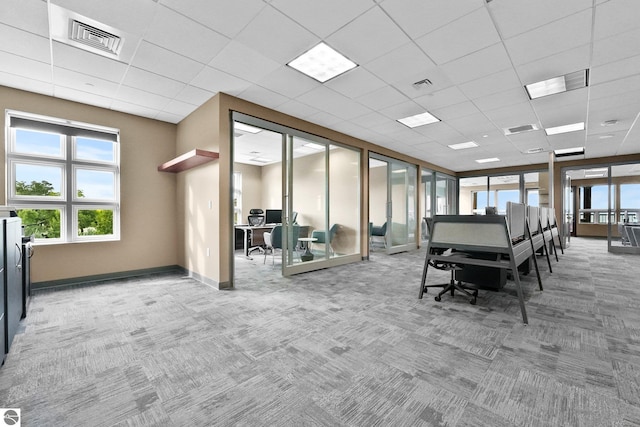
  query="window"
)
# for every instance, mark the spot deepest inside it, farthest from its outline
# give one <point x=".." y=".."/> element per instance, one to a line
<point x="63" y="178"/>
<point x="594" y="204"/>
<point x="629" y="202"/>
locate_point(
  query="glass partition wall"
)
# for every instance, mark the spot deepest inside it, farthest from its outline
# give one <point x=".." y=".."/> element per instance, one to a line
<point x="477" y="193"/>
<point x="607" y="204"/>
<point x="314" y="185"/>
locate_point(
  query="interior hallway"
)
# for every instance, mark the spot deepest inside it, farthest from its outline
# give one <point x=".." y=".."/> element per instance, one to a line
<point x="346" y="346"/>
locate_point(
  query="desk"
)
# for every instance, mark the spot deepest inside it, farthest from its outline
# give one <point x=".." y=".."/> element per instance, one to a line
<point x="307" y="255"/>
<point x="250" y="232"/>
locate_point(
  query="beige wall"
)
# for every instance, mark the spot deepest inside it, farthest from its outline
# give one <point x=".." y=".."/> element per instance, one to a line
<point x="148" y="197"/>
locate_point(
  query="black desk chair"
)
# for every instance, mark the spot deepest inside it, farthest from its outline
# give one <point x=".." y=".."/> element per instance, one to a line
<point x="255" y="219"/>
<point x="452" y="285"/>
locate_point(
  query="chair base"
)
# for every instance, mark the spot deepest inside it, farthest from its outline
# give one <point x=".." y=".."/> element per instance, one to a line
<point x="452" y="286"/>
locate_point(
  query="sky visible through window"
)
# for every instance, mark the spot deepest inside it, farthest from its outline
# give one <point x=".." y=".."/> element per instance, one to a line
<point x="93" y="184"/>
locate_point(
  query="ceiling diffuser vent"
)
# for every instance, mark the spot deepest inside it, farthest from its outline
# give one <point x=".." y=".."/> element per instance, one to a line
<point x="95" y="38"/>
<point x="520" y="129"/>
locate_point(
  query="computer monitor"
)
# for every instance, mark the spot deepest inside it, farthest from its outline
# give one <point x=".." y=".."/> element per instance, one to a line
<point x="273" y="216"/>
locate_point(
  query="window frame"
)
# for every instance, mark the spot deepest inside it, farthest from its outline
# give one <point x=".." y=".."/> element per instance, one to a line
<point x="67" y="203"/>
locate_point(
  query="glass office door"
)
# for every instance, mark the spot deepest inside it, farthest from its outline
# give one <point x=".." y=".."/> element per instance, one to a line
<point x="401" y="204"/>
<point x="426" y="209"/>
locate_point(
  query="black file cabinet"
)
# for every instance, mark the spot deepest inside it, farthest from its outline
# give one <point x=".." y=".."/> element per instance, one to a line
<point x="12" y="279"/>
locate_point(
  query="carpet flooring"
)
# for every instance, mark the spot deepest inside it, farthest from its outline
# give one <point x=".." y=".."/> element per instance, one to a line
<point x="346" y="346"/>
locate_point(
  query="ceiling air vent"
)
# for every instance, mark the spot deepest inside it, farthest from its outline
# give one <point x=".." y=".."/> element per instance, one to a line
<point x="535" y="150"/>
<point x="520" y="129"/>
<point x="423" y="82"/>
<point x="96" y="38"/>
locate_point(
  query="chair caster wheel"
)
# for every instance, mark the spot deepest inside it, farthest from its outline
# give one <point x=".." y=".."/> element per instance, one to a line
<point x="472" y="302"/>
<point x="437" y="299"/>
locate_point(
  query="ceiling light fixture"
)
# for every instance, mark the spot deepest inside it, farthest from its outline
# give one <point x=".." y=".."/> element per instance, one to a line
<point x="419" y="120"/>
<point x="314" y="146"/>
<point x="488" y="160"/>
<point x="463" y="145"/>
<point x="564" y="152"/>
<point x="246" y="128"/>
<point x="558" y="84"/>
<point x="564" y="129"/>
<point x="322" y="63"/>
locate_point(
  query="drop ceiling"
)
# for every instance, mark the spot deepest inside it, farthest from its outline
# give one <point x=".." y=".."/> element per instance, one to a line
<point x="476" y="55"/>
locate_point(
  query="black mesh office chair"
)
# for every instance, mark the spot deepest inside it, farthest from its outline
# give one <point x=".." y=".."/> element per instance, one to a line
<point x="255" y="219"/>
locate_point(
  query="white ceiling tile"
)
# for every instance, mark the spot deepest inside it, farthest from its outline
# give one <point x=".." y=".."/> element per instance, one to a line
<point x="134" y="109"/>
<point x="518" y="16"/>
<point x="323" y="118"/>
<point x="327" y="100"/>
<point x="478" y="64"/>
<point x="411" y="84"/>
<point x="355" y="83"/>
<point x="132" y="17"/>
<point x="24" y="43"/>
<point x="512" y="116"/>
<point x="442" y="98"/>
<point x="194" y="95"/>
<point x="502" y="99"/>
<point x="276" y="36"/>
<point x="615" y="70"/>
<point x="451" y="112"/>
<point x="87" y="63"/>
<point x="262" y="96"/>
<point x="615" y="48"/>
<point x="178" y="108"/>
<point x="216" y="81"/>
<point x="550" y="39"/>
<point x="28" y="15"/>
<point x="226" y="17"/>
<point x="418" y="17"/>
<point x="288" y="82"/>
<point x="175" y="32"/>
<point x="325" y="17"/>
<point x="401" y="64"/>
<point x="88" y="84"/>
<point x="168" y="117"/>
<point x="370" y="119"/>
<point x="615" y="87"/>
<point x="297" y="109"/>
<point x="166" y="63"/>
<point x="151" y="82"/>
<point x="381" y="98"/>
<point x="562" y="63"/>
<point x="82" y="97"/>
<point x="25" y="83"/>
<point x="243" y="62"/>
<point x="491" y="84"/>
<point x="140" y="97"/>
<point x="24" y="67"/>
<point x="562" y="108"/>
<point x="472" y="126"/>
<point x="441" y="132"/>
<point x="567" y="140"/>
<point x="615" y="17"/>
<point x="400" y="111"/>
<point x="367" y="37"/>
<point x="461" y="37"/>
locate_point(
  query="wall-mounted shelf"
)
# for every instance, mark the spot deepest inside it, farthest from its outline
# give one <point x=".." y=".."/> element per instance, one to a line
<point x="188" y="160"/>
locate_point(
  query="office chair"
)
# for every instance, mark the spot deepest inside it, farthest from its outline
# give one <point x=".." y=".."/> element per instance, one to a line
<point x="321" y="236"/>
<point x="377" y="231"/>
<point x="255" y="219"/>
<point x="273" y="241"/>
<point x="452" y="284"/>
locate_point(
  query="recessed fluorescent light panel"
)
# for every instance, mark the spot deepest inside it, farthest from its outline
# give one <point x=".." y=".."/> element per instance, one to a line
<point x="314" y="146"/>
<point x="488" y="160"/>
<point x="463" y="145"/>
<point x="564" y="129"/>
<point x="574" y="151"/>
<point x="559" y="84"/>
<point x="322" y="63"/>
<point x="246" y="128"/>
<point x="419" y="120"/>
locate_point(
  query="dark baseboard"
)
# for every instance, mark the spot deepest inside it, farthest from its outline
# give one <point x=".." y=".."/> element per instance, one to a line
<point x="86" y="280"/>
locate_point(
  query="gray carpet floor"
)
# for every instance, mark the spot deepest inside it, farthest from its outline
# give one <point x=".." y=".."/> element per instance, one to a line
<point x="347" y="346"/>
